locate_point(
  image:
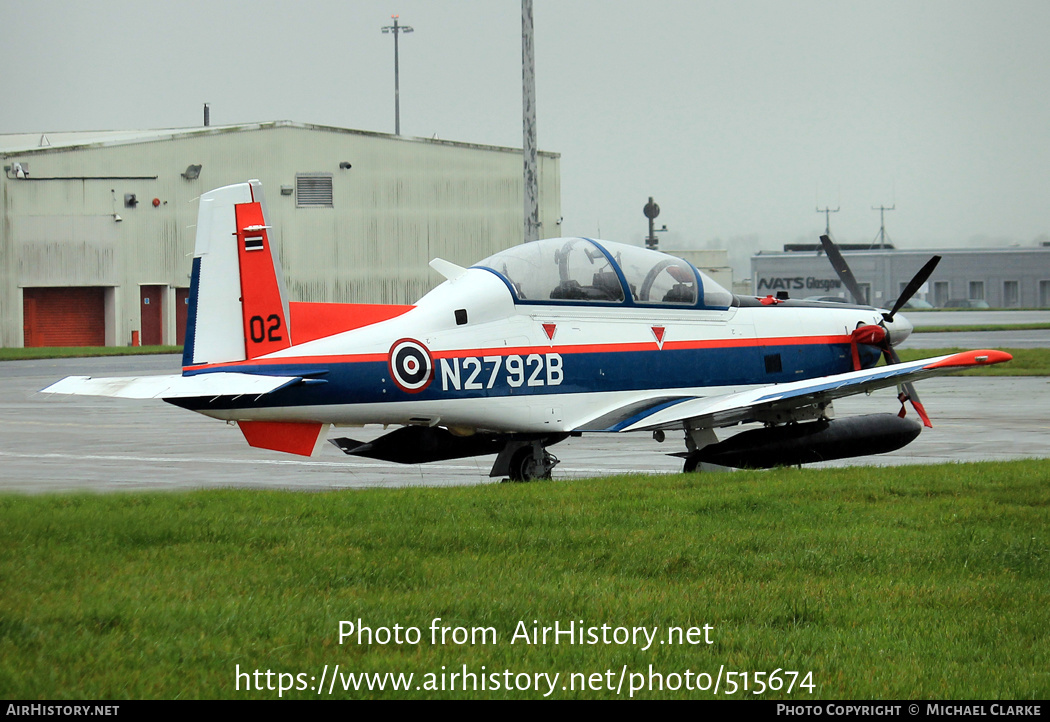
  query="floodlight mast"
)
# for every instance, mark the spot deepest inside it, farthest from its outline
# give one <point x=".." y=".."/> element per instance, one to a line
<point x="397" y="29"/>
<point x="528" y="112"/>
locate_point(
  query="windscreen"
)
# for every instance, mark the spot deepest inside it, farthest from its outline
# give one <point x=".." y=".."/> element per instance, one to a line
<point x="558" y="270"/>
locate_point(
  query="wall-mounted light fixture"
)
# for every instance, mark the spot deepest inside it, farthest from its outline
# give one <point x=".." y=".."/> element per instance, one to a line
<point x="287" y="190"/>
<point x="192" y="172"/>
<point x="18" y="170"/>
<point x="345" y="165"/>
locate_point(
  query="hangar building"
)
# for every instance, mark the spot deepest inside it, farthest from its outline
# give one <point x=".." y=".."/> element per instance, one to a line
<point x="96" y="241"/>
<point x="1000" y="277"/>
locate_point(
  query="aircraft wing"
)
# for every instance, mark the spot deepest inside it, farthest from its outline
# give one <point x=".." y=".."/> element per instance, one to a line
<point x="172" y="386"/>
<point x="722" y="410"/>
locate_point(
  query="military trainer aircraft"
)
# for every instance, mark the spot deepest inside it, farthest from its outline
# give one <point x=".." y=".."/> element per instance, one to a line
<point x="543" y="341"/>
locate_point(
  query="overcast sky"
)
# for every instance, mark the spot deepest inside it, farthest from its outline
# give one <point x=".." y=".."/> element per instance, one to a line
<point x="740" y="118"/>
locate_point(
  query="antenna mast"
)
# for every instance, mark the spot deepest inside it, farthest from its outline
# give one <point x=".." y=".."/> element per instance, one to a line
<point x="881" y="237"/>
<point x="827" y="218"/>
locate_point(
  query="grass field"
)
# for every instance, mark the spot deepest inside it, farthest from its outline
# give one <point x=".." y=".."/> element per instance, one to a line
<point x="21" y="354"/>
<point x="979" y="328"/>
<point x="901" y="582"/>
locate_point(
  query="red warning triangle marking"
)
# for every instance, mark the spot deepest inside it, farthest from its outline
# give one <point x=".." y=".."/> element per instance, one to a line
<point x="549" y="329"/>
<point x="658" y="332"/>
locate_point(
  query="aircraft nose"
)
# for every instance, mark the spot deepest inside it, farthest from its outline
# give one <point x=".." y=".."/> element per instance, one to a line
<point x="899" y="329"/>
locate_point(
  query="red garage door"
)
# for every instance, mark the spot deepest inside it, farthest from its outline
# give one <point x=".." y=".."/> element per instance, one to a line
<point x="150" y="314"/>
<point x="64" y="316"/>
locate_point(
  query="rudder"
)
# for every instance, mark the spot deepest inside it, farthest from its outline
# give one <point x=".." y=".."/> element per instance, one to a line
<point x="238" y="309"/>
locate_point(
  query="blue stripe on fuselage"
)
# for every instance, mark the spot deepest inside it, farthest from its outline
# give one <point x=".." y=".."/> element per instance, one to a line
<point x="581" y="372"/>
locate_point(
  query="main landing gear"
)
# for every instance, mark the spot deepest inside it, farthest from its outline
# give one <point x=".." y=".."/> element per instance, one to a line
<point x="531" y="463"/>
<point x="526" y="460"/>
<point x="695" y="440"/>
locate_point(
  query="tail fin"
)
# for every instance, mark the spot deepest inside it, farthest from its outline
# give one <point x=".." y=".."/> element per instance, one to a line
<point x="238" y="307"/>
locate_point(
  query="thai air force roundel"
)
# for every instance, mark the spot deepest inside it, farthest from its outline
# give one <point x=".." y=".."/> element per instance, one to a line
<point x="410" y="365"/>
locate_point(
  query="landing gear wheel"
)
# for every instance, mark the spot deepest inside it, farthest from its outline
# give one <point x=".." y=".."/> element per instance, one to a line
<point x="531" y="463"/>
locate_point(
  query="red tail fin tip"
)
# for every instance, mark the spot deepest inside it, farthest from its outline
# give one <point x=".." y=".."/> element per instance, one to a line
<point x="265" y="319"/>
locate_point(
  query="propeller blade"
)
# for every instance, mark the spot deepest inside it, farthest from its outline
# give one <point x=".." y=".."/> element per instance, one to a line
<point x="907" y="389"/>
<point x="913" y="285"/>
<point x="842" y="269"/>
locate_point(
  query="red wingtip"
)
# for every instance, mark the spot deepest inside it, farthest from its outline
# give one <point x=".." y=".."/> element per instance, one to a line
<point x="972" y="358"/>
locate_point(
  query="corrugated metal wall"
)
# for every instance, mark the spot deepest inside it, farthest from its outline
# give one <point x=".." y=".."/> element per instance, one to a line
<point x="402" y="202"/>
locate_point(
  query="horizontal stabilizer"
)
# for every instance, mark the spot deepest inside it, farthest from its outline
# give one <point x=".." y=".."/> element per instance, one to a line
<point x="171" y="386"/>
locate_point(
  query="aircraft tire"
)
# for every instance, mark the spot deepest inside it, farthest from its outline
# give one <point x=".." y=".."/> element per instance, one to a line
<point x="525" y="467"/>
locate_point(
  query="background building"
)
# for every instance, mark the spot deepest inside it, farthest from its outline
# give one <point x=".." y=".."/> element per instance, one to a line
<point x="98" y="229"/>
<point x="1000" y="277"/>
<point x="713" y="262"/>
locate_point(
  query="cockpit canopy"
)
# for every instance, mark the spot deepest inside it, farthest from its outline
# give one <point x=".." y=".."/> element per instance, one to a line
<point x="583" y="271"/>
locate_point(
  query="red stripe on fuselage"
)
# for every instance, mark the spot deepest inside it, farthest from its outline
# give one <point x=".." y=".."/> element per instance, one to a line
<point x="526" y="350"/>
<point x="643" y="346"/>
<point x="294" y="361"/>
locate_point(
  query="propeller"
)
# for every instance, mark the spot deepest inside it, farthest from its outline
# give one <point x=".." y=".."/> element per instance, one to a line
<point x="906" y="391"/>
<point x="849" y="280"/>
<point x="878" y="335"/>
<point x="913" y="285"/>
<point x="842" y="269"/>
